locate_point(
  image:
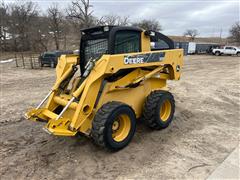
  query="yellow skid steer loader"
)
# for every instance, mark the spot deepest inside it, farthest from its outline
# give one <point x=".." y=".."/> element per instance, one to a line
<point x="119" y="76"/>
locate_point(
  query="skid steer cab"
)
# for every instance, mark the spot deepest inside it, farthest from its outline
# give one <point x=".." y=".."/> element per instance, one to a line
<point x="119" y="76"/>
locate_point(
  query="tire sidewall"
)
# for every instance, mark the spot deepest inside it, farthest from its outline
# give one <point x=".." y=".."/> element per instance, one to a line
<point x="162" y="99"/>
<point x="52" y="64"/>
<point x="109" y="141"/>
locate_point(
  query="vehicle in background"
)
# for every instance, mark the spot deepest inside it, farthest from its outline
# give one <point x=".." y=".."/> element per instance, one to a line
<point x="210" y="48"/>
<point x="191" y="48"/>
<point x="227" y="50"/>
<point x="51" y="58"/>
<point x="196" y="48"/>
<point x="205" y="48"/>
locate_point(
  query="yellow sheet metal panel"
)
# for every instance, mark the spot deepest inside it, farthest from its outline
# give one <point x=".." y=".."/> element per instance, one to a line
<point x="172" y="58"/>
<point x="86" y="103"/>
<point x="64" y="63"/>
<point x="134" y="97"/>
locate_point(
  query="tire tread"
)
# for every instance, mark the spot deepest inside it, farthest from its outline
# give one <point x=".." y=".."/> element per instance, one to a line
<point x="150" y="108"/>
<point x="100" y="120"/>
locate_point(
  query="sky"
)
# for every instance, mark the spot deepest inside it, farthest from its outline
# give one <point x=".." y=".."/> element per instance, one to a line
<point x="212" y="18"/>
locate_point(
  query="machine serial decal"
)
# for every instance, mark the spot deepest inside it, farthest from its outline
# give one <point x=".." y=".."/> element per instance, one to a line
<point x="144" y="58"/>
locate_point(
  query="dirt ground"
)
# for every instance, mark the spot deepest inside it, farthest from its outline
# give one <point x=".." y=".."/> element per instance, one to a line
<point x="204" y="131"/>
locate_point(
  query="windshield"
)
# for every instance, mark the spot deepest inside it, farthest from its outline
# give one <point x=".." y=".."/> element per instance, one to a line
<point x="95" y="48"/>
<point x="49" y="55"/>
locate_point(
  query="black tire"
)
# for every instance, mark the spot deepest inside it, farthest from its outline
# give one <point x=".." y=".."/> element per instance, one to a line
<point x="217" y="53"/>
<point x="152" y="107"/>
<point x="102" y="125"/>
<point x="52" y="64"/>
<point x="238" y="54"/>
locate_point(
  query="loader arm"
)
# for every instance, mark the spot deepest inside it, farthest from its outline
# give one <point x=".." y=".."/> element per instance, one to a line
<point x="63" y="70"/>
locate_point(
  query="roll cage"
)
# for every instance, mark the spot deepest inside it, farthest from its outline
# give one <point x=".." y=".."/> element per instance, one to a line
<point x="104" y="40"/>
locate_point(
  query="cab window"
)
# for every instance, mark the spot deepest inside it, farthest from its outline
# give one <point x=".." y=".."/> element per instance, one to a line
<point x="159" y="41"/>
<point x="159" y="45"/>
<point x="127" y="42"/>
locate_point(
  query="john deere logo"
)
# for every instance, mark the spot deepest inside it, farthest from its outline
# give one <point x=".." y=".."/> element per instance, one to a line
<point x="144" y="58"/>
<point x="133" y="59"/>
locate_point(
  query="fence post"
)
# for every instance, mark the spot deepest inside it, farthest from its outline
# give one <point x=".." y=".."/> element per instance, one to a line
<point x="31" y="62"/>
<point x="16" y="60"/>
<point x="39" y="62"/>
<point x="23" y="61"/>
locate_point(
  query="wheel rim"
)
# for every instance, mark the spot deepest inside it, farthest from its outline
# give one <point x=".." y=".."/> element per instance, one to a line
<point x="121" y="127"/>
<point x="165" y="110"/>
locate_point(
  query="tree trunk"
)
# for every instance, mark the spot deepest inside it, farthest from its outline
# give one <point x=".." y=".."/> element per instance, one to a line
<point x="56" y="41"/>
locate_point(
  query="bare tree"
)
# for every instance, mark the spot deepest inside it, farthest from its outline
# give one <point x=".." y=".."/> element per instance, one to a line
<point x="148" y="25"/>
<point x="192" y="33"/>
<point x="113" y="20"/>
<point x="23" y="16"/>
<point x="42" y="40"/>
<point x="3" y="25"/>
<point x="55" y="23"/>
<point x="40" y="34"/>
<point x="4" y="16"/>
<point x="80" y="12"/>
<point x="235" y="33"/>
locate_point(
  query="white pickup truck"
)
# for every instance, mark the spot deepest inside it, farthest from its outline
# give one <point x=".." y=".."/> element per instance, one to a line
<point x="228" y="50"/>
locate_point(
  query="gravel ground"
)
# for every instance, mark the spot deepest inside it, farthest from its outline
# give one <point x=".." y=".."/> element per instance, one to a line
<point x="204" y="131"/>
